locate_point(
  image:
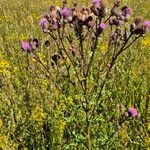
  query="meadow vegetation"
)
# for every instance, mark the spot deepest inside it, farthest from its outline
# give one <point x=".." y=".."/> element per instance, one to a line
<point x="48" y="102"/>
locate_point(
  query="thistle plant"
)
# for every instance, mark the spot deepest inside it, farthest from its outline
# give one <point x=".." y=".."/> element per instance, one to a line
<point x="79" y="71"/>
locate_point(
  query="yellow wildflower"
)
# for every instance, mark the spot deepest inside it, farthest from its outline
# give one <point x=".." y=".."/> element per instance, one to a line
<point x="146" y="42"/>
<point x="11" y="37"/>
<point x="45" y="83"/>
<point x="69" y="100"/>
<point x="134" y="71"/>
<point x="30" y="19"/>
<point x="41" y="55"/>
<point x="6" y="18"/>
<point x="149" y="126"/>
<point x="22" y="37"/>
<point x="3" y="141"/>
<point x="35" y="16"/>
<point x="62" y="126"/>
<point x="103" y="47"/>
<point x="1" y="122"/>
<point x="37" y="114"/>
<point x="15" y="70"/>
<point x="4" y="66"/>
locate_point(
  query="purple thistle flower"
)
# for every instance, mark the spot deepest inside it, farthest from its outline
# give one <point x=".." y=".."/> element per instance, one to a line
<point x="132" y="112"/>
<point x="146" y="26"/>
<point x="96" y="2"/>
<point x="65" y="12"/>
<point x="43" y="22"/>
<point x="126" y="11"/>
<point x="117" y="3"/>
<point x="102" y="26"/>
<point x="30" y="45"/>
<point x="26" y="46"/>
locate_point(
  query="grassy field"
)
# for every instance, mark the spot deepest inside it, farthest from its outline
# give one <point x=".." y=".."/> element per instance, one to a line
<point x="35" y="116"/>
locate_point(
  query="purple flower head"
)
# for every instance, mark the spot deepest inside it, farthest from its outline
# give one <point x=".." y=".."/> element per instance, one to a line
<point x="30" y="45"/>
<point x="54" y="24"/>
<point x="102" y="26"/>
<point x="126" y="11"/>
<point x="120" y="23"/>
<point x="111" y="20"/>
<point x="26" y="46"/>
<point x="132" y="112"/>
<point x="43" y="22"/>
<point x="34" y="43"/>
<point x="96" y="2"/>
<point x="65" y="12"/>
<point x="146" y="26"/>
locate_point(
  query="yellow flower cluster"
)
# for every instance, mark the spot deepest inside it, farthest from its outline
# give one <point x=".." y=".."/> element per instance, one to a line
<point x="134" y="71"/>
<point x="69" y="100"/>
<point x="4" y="17"/>
<point x="1" y="122"/>
<point x="62" y="126"/>
<point x="22" y="37"/>
<point x="45" y="83"/>
<point x="11" y="37"/>
<point x="146" y="42"/>
<point x="148" y="127"/>
<point x="38" y="115"/>
<point x="103" y="47"/>
<point x="4" y="67"/>
<point x="41" y="55"/>
<point x="3" y="142"/>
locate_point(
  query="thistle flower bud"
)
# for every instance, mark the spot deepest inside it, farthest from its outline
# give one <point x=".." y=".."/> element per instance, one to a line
<point x="43" y="23"/>
<point x="87" y="20"/>
<point x="30" y="45"/>
<point x="34" y="43"/>
<point x="146" y="26"/>
<point x="114" y="21"/>
<point x="137" y="26"/>
<point x="95" y="10"/>
<point x="115" y="12"/>
<point x="64" y="1"/>
<point x="101" y="27"/>
<point x="117" y="3"/>
<point x="85" y="10"/>
<point x="126" y="11"/>
<point x="25" y="46"/>
<point x="65" y="12"/>
<point x="96" y="2"/>
<point x="132" y="112"/>
<point x="47" y="43"/>
<point x="113" y="36"/>
<point x="52" y="8"/>
<point x="55" y="57"/>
